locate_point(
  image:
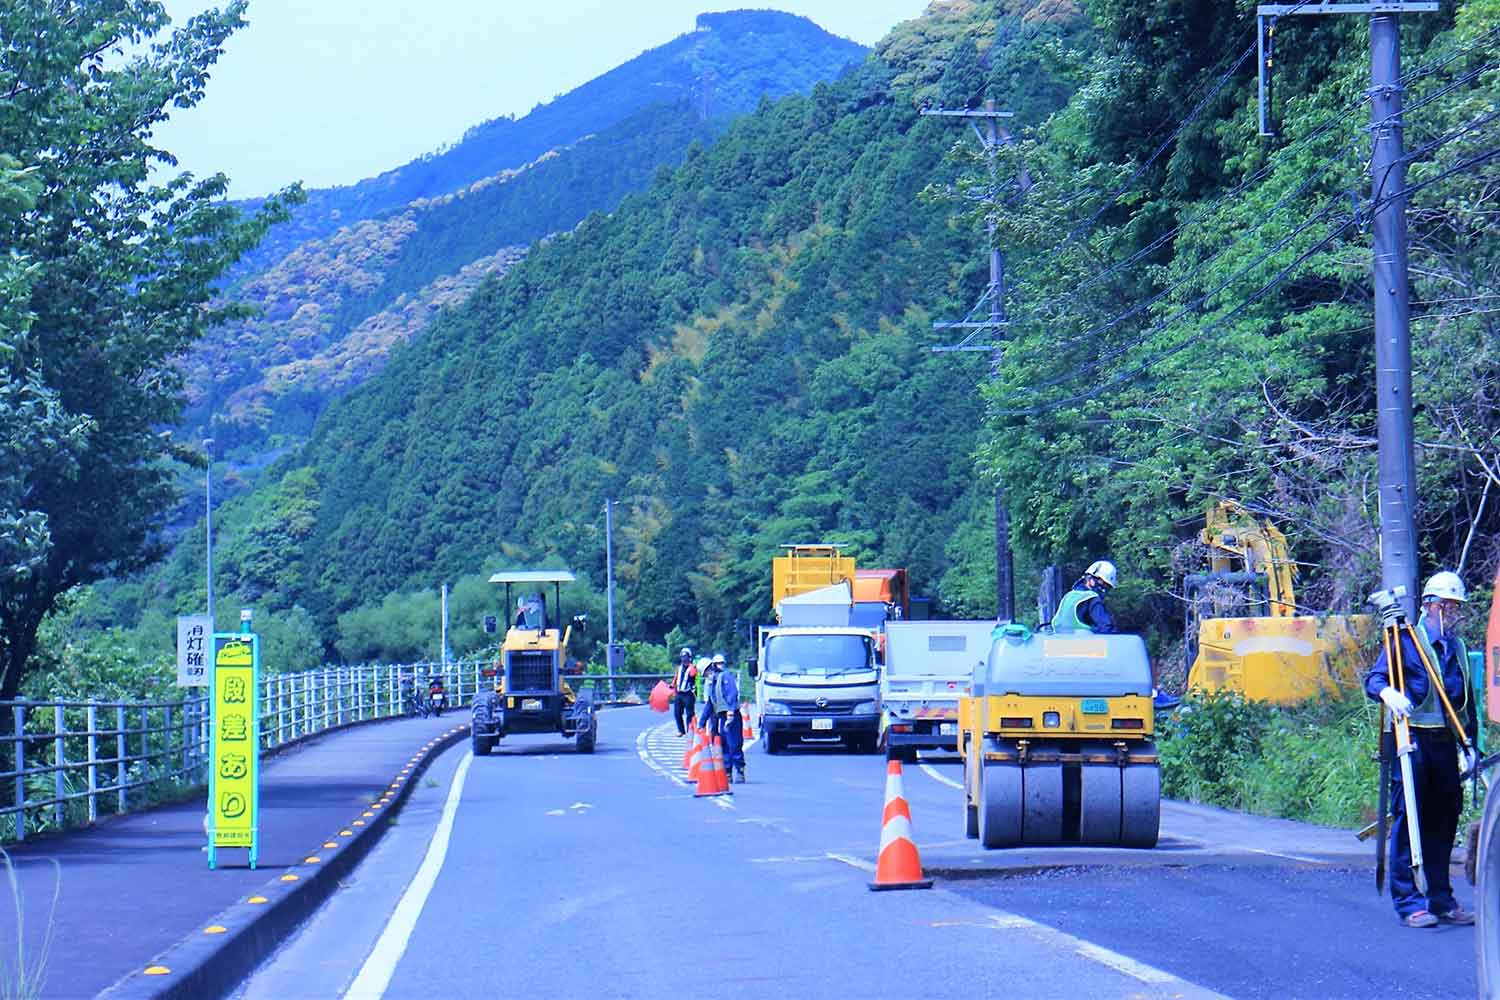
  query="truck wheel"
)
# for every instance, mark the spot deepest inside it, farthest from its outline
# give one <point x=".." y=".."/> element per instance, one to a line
<point x="585" y="742"/>
<point x="481" y="745"/>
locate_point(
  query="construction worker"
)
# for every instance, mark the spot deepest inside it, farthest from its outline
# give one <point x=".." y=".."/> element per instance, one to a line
<point x="721" y="712"/>
<point x="684" y="700"/>
<point x="1437" y="760"/>
<point x="1083" y="606"/>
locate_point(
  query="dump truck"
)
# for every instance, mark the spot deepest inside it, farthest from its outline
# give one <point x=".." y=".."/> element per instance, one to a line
<point x="1485" y="871"/>
<point x="928" y="666"/>
<point x="817" y="677"/>
<point x="530" y="694"/>
<point x="1245" y="632"/>
<point x="1056" y="738"/>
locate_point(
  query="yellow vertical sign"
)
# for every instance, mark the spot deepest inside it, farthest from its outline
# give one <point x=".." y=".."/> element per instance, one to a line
<point x="234" y="778"/>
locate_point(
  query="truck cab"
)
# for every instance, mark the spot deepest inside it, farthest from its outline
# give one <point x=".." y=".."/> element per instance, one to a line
<point x="817" y="685"/>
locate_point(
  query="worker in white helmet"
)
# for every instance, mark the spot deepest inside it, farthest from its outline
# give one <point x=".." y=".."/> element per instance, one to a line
<point x="1438" y="762"/>
<point x="1082" y="608"/>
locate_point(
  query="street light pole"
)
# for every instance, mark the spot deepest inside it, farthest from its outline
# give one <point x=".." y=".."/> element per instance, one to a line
<point x="208" y="524"/>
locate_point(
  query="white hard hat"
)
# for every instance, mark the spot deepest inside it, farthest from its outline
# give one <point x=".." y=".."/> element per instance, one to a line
<point x="1104" y="570"/>
<point x="1444" y="586"/>
<point x="702" y="663"/>
<point x="685" y="651"/>
<point x="719" y="658"/>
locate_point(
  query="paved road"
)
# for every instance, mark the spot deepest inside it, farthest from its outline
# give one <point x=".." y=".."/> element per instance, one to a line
<point x="603" y="874"/>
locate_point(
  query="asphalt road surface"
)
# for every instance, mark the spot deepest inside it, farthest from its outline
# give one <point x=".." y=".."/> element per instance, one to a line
<point x="538" y="871"/>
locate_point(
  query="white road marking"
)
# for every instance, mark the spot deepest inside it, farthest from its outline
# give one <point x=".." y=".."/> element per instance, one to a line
<point x="375" y="975"/>
<point x="654" y="742"/>
<point x="853" y="862"/>
<point x="1281" y="854"/>
<point x="1104" y="956"/>
<point x="932" y="773"/>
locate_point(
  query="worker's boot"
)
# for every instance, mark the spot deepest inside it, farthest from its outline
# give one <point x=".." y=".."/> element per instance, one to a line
<point x="739" y="775"/>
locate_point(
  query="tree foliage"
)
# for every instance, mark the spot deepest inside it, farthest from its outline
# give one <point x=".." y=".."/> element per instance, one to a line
<point x="109" y="275"/>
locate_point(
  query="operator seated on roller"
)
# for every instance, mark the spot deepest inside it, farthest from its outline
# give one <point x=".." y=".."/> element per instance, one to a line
<point x="1082" y="608"/>
<point x="531" y="612"/>
<point x="1437" y="761"/>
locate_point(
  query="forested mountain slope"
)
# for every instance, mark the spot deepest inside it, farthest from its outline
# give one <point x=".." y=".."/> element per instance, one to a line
<point x="742" y="351"/>
<point x="412" y="240"/>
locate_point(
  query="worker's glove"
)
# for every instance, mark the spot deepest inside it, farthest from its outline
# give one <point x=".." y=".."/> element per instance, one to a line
<point x="1398" y="703"/>
<point x="1466" y="761"/>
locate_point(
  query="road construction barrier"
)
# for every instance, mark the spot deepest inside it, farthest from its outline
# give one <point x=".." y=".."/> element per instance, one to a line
<point x="899" y="866"/>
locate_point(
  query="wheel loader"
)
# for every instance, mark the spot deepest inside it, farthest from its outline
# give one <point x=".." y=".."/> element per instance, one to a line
<point x="1056" y="738"/>
<point x="530" y="694"/>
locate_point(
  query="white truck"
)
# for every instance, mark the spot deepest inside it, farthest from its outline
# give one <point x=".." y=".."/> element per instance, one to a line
<point x="817" y="676"/>
<point x="928" y="664"/>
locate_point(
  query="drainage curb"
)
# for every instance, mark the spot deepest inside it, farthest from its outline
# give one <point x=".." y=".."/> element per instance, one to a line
<point x="205" y="964"/>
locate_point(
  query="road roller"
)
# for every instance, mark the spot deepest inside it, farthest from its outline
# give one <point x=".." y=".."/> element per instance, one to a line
<point x="1056" y="737"/>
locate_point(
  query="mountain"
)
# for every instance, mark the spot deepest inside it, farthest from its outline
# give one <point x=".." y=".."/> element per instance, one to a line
<point x="741" y="352"/>
<point x="417" y="238"/>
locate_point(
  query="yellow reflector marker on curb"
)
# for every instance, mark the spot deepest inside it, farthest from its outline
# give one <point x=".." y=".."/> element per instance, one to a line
<point x="215" y="929"/>
<point x="157" y="970"/>
<point x="331" y="844"/>
<point x="256" y="899"/>
<point x="312" y="859"/>
<point x="367" y="814"/>
<point x="346" y="833"/>
<point x="289" y="877"/>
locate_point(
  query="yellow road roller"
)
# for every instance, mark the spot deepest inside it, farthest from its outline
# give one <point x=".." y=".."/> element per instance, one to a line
<point x="1056" y="736"/>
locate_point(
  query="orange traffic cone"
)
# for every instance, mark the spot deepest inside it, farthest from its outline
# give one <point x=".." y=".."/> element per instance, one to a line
<point x="711" y="777"/>
<point x="899" y="866"/>
<point x="697" y="756"/>
<point x="692" y="746"/>
<point x="746" y="730"/>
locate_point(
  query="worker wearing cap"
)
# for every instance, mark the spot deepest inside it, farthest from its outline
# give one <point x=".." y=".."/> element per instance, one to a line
<point x="721" y="713"/>
<point x="684" y="699"/>
<point x="1082" y="608"/>
<point x="1438" y="762"/>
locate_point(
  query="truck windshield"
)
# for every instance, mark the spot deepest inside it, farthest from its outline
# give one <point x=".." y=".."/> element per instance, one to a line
<point x="819" y="655"/>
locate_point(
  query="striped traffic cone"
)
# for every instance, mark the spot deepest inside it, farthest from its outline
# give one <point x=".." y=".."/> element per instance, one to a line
<point x="695" y="743"/>
<point x="711" y="777"/>
<point x="899" y="866"/>
<point x="746" y="730"/>
<point x="698" y="756"/>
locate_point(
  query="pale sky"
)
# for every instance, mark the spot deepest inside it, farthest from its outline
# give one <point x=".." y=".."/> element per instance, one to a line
<point x="332" y="91"/>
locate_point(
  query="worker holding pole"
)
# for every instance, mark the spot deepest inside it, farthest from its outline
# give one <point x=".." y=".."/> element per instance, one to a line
<point x="1421" y="679"/>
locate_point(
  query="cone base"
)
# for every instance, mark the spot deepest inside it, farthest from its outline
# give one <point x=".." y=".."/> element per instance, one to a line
<point x="709" y="795"/>
<point x="925" y="883"/>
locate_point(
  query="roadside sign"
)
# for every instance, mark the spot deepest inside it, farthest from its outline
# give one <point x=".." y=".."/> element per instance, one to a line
<point x="234" y="721"/>
<point x="193" y="634"/>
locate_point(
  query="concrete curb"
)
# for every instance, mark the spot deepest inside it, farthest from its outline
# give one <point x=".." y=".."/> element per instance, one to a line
<point x="214" y="959"/>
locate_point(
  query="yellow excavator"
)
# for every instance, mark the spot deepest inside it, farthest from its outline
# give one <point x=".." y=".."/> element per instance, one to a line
<point x="1244" y="629"/>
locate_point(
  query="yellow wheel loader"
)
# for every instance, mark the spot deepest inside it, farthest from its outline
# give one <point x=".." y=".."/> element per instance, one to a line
<point x="530" y="694"/>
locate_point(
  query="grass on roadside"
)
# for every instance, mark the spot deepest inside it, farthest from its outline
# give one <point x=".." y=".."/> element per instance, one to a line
<point x="22" y="976"/>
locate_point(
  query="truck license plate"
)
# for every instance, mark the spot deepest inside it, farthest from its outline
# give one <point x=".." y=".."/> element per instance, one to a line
<point x="948" y="729"/>
<point x="1094" y="706"/>
<point x="531" y="704"/>
<point x="822" y="724"/>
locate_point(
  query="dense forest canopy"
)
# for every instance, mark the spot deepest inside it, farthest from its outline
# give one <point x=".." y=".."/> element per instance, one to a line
<point x="741" y="352"/>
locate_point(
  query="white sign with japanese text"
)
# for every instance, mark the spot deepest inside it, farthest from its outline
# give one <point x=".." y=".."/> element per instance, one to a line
<point x="193" y="635"/>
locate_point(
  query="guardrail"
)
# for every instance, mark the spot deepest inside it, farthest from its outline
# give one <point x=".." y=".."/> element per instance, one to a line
<point x="67" y="763"/>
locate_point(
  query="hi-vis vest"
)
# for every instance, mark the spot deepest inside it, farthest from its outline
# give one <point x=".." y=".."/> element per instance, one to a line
<point x="1067" y="618"/>
<point x="1429" y="714"/>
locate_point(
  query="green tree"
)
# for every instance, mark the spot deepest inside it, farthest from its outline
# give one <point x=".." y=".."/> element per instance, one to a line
<point x="118" y="279"/>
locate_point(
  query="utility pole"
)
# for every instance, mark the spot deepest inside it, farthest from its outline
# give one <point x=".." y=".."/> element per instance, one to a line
<point x="443" y="656"/>
<point x="991" y="320"/>
<point x="1392" y="290"/>
<point x="208" y="524"/>
<point x="609" y="578"/>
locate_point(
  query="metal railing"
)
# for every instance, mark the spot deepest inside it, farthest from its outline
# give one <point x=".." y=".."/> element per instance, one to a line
<point x="67" y="763"/>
